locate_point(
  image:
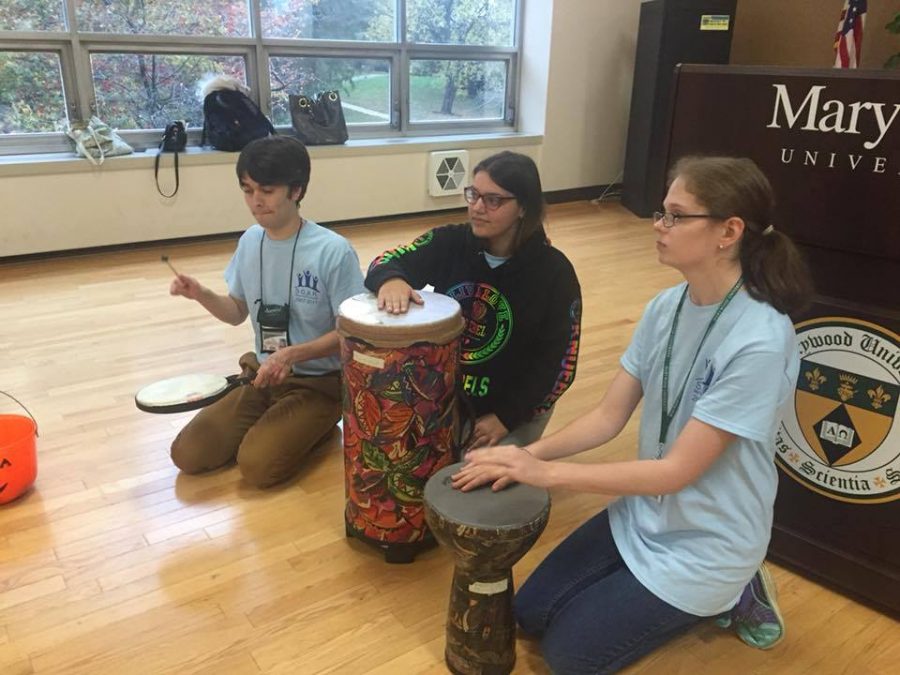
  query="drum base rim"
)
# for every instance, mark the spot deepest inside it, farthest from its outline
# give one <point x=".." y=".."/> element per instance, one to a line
<point x="401" y="553"/>
<point x="479" y="667"/>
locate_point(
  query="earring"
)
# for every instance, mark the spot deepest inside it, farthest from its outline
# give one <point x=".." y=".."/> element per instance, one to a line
<point x="721" y="247"/>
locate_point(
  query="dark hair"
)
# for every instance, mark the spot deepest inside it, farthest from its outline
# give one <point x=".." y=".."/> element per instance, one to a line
<point x="518" y="175"/>
<point x="276" y="160"/>
<point x="773" y="269"/>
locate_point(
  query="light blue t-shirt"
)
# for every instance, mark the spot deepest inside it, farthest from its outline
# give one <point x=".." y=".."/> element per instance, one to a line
<point x="494" y="261"/>
<point x="326" y="272"/>
<point x="698" y="548"/>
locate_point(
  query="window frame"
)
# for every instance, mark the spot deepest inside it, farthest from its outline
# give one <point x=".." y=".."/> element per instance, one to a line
<point x="74" y="50"/>
<point x="452" y="52"/>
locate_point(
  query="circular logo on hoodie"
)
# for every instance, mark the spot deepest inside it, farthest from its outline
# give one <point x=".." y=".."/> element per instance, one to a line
<point x="489" y="320"/>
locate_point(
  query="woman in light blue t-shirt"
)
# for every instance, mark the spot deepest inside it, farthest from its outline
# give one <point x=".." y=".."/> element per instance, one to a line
<point x="713" y="359"/>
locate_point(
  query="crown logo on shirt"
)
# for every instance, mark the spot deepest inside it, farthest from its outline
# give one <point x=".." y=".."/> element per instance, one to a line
<point x="308" y="280"/>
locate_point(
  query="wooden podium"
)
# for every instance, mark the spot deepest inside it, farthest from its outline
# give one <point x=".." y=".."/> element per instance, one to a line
<point x="829" y="141"/>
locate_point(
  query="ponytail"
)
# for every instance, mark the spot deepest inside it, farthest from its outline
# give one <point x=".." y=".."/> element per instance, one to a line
<point x="774" y="270"/>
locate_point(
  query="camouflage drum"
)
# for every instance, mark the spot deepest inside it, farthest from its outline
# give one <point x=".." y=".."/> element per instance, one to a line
<point x="487" y="532"/>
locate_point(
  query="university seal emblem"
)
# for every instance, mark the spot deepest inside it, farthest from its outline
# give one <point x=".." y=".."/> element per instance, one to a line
<point x="838" y="436"/>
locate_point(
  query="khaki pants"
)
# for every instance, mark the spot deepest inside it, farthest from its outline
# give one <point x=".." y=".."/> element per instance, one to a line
<point x="269" y="431"/>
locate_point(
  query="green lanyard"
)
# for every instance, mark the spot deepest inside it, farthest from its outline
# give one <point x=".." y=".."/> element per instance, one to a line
<point x="668" y="414"/>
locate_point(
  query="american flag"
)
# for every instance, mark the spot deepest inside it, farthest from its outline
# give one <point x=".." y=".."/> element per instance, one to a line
<point x="849" y="35"/>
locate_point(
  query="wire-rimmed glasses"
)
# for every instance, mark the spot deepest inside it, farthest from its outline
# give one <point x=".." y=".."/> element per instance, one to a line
<point x="670" y="220"/>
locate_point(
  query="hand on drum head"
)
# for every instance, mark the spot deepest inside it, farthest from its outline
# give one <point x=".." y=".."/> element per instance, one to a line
<point x="501" y="466"/>
<point x="395" y="295"/>
<point x="185" y="286"/>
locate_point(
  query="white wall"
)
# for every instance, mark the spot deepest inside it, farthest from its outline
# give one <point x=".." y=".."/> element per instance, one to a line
<point x="588" y="96"/>
<point x="576" y="89"/>
<point x="70" y="204"/>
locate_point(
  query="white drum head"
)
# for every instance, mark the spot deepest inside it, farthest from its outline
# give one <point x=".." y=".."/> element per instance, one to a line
<point x="185" y="392"/>
<point x="438" y="320"/>
<point x="363" y="309"/>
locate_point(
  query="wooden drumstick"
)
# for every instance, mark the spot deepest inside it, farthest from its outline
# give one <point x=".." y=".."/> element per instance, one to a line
<point x="165" y="259"/>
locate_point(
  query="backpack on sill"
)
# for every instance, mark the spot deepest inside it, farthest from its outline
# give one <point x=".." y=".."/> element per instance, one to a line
<point x="230" y="118"/>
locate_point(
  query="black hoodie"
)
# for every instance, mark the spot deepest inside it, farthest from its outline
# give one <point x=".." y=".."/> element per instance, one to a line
<point x="523" y="318"/>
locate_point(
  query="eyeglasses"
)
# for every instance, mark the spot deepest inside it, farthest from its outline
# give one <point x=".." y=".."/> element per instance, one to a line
<point x="491" y="201"/>
<point x="672" y="219"/>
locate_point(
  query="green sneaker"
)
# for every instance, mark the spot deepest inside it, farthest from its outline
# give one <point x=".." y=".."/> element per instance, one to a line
<point x="756" y="618"/>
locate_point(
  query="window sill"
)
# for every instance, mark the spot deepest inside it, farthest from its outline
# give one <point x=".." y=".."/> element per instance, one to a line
<point x="66" y="162"/>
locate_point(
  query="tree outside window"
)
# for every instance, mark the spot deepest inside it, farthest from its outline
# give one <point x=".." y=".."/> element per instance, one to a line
<point x="146" y="73"/>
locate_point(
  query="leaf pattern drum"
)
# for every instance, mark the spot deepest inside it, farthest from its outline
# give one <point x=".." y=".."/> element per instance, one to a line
<point x="399" y="408"/>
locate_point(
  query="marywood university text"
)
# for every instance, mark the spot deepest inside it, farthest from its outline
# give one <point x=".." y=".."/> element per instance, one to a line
<point x="833" y="116"/>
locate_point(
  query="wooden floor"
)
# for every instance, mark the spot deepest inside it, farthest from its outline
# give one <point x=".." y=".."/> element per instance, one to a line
<point x="115" y="563"/>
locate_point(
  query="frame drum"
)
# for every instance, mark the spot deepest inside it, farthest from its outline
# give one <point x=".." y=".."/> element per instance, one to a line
<point x="487" y="532"/>
<point x="400" y="415"/>
<point x="185" y="392"/>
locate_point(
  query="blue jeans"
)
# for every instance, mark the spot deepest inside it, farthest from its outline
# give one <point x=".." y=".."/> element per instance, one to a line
<point x="589" y="611"/>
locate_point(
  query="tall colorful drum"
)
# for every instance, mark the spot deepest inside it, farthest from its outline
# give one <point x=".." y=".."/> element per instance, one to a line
<point x="400" y="415"/>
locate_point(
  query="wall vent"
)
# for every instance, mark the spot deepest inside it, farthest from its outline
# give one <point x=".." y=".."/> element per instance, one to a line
<point x="447" y="171"/>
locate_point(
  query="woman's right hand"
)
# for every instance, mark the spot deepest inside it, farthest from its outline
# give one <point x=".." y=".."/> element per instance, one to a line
<point x="186" y="286"/>
<point x="395" y="295"/>
<point x="500" y="465"/>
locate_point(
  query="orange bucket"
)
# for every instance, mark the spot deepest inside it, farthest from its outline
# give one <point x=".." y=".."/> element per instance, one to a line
<point x="18" y="454"/>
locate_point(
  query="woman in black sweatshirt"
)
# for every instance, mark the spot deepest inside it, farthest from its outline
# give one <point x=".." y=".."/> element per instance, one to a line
<point x="520" y="298"/>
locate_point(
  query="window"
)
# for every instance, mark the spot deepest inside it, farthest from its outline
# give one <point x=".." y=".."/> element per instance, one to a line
<point x="458" y="22"/>
<point x="31" y="93"/>
<point x="32" y="15"/>
<point x="452" y="90"/>
<point x="364" y="85"/>
<point x="147" y="90"/>
<point x="402" y="67"/>
<point x="227" y="18"/>
<point x="363" y="20"/>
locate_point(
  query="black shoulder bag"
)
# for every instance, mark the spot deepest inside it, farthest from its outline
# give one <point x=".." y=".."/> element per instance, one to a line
<point x="318" y="120"/>
<point x="174" y="140"/>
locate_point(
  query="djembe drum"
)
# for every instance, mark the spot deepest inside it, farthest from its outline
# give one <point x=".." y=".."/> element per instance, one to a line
<point x="400" y="415"/>
<point x="487" y="532"/>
